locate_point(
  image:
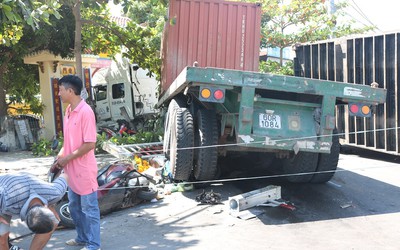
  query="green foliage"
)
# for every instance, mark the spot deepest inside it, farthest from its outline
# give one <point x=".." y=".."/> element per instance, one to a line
<point x="141" y="137"/>
<point x="21" y="81"/>
<point x="274" y="67"/>
<point x="285" y="23"/>
<point x="15" y="82"/>
<point x="140" y="38"/>
<point x="15" y="15"/>
<point x="101" y="138"/>
<point x="43" y="148"/>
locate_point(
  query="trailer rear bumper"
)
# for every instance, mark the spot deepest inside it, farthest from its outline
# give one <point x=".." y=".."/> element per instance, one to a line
<point x="287" y="144"/>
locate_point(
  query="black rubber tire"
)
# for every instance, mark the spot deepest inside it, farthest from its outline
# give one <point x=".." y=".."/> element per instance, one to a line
<point x="65" y="216"/>
<point x="206" y="134"/>
<point x="328" y="162"/>
<point x="179" y="141"/>
<point x="172" y="107"/>
<point x="147" y="194"/>
<point x="301" y="166"/>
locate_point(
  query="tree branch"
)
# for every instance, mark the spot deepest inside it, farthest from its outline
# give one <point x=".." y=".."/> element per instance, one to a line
<point x="94" y="23"/>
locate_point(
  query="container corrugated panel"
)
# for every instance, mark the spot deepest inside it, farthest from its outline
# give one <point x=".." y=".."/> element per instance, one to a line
<point x="213" y="33"/>
<point x="360" y="60"/>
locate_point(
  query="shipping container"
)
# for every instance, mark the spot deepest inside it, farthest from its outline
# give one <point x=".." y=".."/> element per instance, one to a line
<point x="359" y="60"/>
<point x="212" y="33"/>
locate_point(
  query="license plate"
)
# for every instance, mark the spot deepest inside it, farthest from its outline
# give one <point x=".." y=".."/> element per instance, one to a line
<point x="270" y="121"/>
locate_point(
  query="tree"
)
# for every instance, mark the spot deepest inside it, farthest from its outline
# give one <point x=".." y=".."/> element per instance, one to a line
<point x="139" y="38"/>
<point x="285" y="23"/>
<point x="96" y="31"/>
<point x="18" y="21"/>
<point x="56" y="34"/>
<point x="15" y="15"/>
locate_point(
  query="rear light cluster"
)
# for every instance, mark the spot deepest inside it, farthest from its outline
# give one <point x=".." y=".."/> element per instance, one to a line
<point x="210" y="94"/>
<point x="360" y="110"/>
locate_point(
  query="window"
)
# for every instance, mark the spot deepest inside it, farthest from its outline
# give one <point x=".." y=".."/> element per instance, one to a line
<point x="100" y="93"/>
<point x="118" y="91"/>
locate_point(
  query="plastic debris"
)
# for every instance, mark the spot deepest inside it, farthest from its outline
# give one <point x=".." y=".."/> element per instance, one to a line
<point x="209" y="198"/>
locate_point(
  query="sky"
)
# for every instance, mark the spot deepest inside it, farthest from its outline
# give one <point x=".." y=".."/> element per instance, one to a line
<point x="385" y="14"/>
<point x="382" y="13"/>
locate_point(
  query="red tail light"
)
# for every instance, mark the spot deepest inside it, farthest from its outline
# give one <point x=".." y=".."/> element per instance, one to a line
<point x="359" y="109"/>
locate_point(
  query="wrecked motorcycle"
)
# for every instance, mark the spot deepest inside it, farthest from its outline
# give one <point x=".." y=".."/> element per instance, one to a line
<point x="120" y="186"/>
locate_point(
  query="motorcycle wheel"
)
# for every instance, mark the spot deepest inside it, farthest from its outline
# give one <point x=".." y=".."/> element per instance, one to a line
<point x="147" y="194"/>
<point x="62" y="209"/>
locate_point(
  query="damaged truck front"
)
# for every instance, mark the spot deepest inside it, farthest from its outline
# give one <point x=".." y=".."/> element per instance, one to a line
<point x="124" y="94"/>
<point x="222" y="104"/>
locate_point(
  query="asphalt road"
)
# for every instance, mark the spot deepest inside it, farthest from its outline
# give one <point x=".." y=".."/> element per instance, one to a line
<point x="358" y="209"/>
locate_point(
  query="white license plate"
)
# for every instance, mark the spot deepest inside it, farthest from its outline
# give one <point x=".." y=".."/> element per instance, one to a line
<point x="270" y="121"/>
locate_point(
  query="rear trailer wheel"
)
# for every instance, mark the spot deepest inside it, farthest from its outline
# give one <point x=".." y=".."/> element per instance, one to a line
<point x="206" y="134"/>
<point x="300" y="167"/>
<point x="179" y="141"/>
<point x="172" y="107"/>
<point x="327" y="163"/>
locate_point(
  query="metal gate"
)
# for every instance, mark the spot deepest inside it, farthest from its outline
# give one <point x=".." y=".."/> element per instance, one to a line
<point x="359" y="60"/>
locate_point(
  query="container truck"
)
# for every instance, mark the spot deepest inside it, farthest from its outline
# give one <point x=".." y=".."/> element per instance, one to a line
<point x="217" y="102"/>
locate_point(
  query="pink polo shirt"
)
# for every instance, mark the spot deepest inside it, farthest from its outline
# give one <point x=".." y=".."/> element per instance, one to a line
<point x="80" y="127"/>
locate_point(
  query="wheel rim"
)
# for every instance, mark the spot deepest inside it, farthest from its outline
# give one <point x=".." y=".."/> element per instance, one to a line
<point x="64" y="212"/>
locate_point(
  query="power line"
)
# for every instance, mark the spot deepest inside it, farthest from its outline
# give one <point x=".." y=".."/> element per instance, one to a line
<point x="357" y="20"/>
<point x="362" y="14"/>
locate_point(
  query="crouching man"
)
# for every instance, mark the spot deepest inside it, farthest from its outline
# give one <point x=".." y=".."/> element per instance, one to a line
<point x="31" y="199"/>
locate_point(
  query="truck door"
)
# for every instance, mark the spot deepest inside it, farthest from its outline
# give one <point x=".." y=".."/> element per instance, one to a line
<point x="121" y="98"/>
<point x="103" y="111"/>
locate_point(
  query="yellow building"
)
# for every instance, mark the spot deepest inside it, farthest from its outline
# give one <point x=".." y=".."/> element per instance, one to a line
<point x="51" y="68"/>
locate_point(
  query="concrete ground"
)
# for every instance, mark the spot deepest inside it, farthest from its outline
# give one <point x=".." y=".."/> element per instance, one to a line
<point x="358" y="209"/>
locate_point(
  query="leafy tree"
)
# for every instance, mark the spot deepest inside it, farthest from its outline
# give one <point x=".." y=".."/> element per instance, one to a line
<point x="56" y="34"/>
<point x="285" y="23"/>
<point x="140" y="37"/>
<point x="15" y="15"/>
<point x="95" y="30"/>
<point x="19" y="20"/>
<point x="274" y="67"/>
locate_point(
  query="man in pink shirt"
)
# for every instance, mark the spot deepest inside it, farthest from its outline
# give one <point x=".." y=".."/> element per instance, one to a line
<point x="78" y="161"/>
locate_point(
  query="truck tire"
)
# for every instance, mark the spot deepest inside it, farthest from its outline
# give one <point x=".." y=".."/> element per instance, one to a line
<point x="299" y="167"/>
<point x="62" y="209"/>
<point x="328" y="162"/>
<point x="206" y="134"/>
<point x="179" y="141"/>
<point x="147" y="194"/>
<point x="174" y="104"/>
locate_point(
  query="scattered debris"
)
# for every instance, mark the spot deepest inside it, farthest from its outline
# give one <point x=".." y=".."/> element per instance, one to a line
<point x="218" y="211"/>
<point x="249" y="214"/>
<point x="209" y="198"/>
<point x="275" y="203"/>
<point x="346" y="205"/>
<point x="177" y="187"/>
<point x="254" y="198"/>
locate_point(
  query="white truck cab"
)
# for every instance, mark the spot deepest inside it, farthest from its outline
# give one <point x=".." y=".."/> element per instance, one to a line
<point x="123" y="92"/>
